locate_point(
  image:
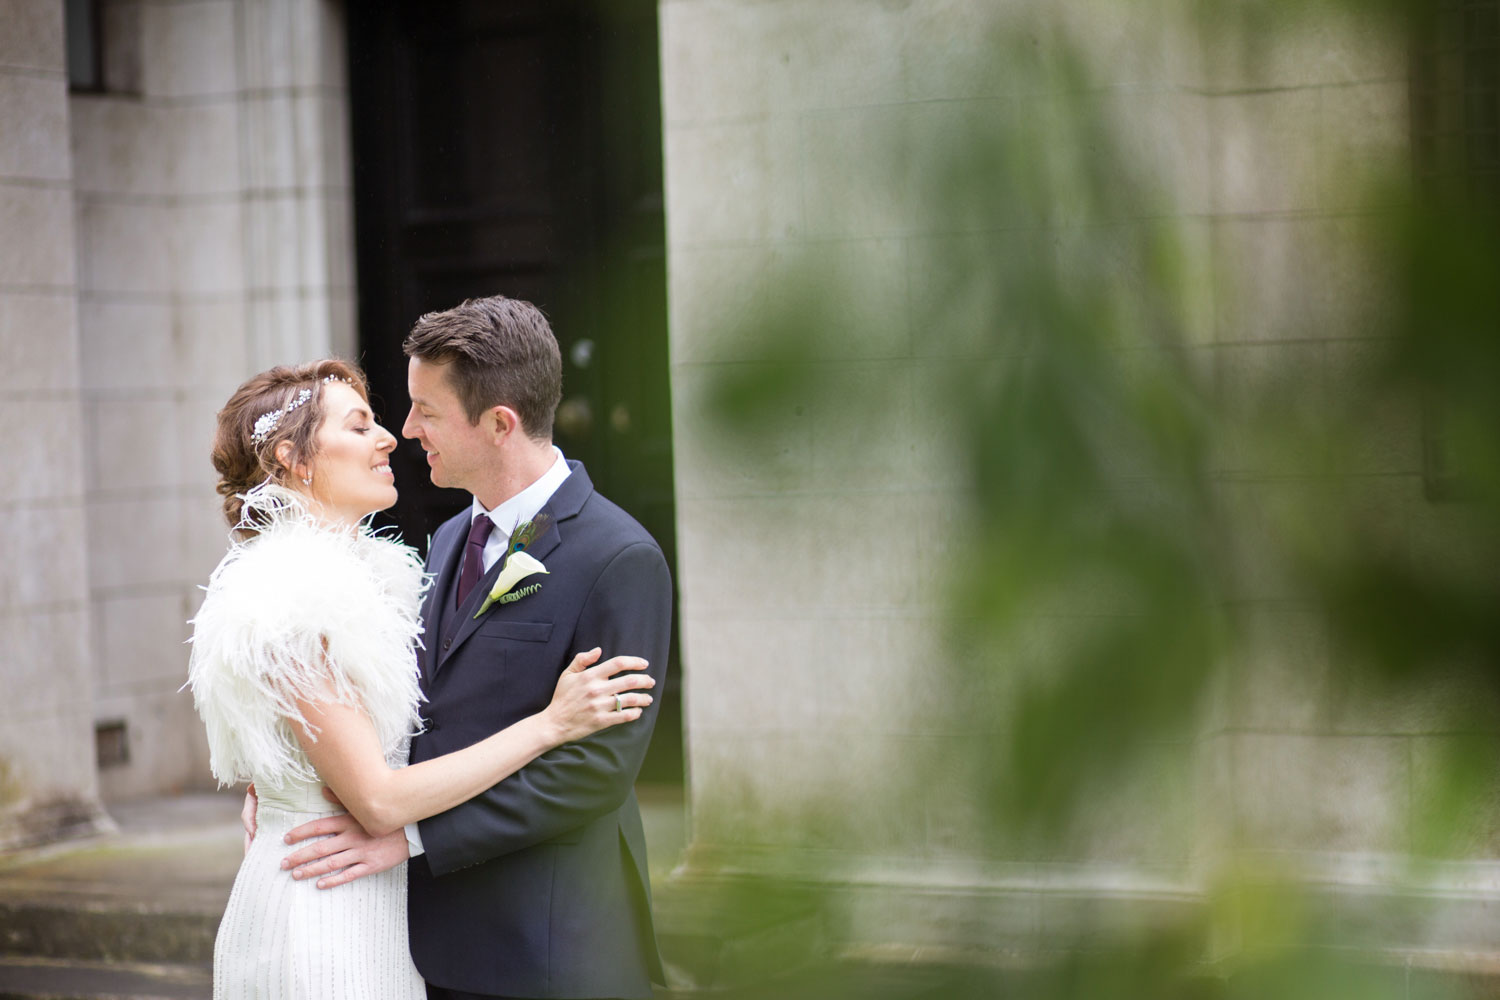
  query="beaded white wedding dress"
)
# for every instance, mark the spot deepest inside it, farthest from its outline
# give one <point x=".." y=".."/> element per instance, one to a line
<point x="297" y="610"/>
<point x="281" y="939"/>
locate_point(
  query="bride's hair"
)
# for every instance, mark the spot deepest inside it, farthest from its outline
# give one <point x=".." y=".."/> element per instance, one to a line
<point x="244" y="458"/>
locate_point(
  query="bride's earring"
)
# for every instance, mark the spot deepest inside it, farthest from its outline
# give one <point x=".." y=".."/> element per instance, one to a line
<point x="307" y="480"/>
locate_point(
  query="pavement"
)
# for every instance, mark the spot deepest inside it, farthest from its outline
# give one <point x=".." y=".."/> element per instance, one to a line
<point x="132" y="914"/>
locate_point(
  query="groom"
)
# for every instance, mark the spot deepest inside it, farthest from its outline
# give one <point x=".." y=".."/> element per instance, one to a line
<point x="538" y="886"/>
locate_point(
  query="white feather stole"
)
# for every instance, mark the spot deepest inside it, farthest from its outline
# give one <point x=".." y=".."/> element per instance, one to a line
<point x="301" y="610"/>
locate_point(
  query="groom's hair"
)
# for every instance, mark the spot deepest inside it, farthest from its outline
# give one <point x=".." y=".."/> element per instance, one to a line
<point x="499" y="352"/>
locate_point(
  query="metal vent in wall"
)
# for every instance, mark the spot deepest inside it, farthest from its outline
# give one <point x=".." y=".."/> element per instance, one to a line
<point x="111" y="743"/>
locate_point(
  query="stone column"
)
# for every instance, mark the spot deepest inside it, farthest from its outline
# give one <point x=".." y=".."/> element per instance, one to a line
<point x="809" y="572"/>
<point x="294" y="135"/>
<point x="47" y="777"/>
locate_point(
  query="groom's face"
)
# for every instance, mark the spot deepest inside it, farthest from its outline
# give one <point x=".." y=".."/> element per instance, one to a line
<point x="456" y="449"/>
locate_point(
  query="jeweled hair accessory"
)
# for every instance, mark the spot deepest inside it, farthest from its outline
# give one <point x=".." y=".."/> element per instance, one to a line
<point x="266" y="423"/>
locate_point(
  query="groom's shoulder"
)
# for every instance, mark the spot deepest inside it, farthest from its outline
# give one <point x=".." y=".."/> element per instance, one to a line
<point x="611" y="521"/>
<point x="614" y="546"/>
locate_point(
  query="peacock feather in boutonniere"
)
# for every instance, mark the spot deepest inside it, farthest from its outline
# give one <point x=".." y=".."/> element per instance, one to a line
<point x="527" y="532"/>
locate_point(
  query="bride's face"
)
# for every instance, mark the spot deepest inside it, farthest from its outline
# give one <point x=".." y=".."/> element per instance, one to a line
<point x="351" y="472"/>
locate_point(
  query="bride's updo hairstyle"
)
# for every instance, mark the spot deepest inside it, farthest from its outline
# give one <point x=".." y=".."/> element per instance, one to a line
<point x="244" y="459"/>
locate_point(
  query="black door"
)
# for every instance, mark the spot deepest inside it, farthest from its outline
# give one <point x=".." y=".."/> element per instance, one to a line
<point x="515" y="148"/>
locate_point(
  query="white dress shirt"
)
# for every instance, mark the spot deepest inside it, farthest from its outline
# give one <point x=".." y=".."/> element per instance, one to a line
<point x="522" y="507"/>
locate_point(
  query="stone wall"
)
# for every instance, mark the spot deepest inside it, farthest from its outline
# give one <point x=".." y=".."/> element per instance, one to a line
<point x="214" y="240"/>
<point x="1297" y="131"/>
<point x="161" y="309"/>
<point x="811" y="581"/>
<point x="165" y="236"/>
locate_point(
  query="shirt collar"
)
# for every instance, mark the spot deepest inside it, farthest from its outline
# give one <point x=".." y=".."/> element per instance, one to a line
<point x="525" y="504"/>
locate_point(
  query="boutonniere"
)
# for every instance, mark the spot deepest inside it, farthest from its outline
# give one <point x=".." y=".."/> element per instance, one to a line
<point x="519" y="564"/>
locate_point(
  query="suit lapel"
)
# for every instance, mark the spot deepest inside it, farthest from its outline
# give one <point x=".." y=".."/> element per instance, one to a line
<point x="563" y="505"/>
<point x="462" y="622"/>
<point x="543" y="544"/>
<point x="436" y="614"/>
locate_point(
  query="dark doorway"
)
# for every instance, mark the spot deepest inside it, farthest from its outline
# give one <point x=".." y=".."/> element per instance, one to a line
<point x="515" y="148"/>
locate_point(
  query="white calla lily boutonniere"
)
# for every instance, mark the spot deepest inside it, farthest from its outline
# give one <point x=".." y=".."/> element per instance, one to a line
<point x="517" y="568"/>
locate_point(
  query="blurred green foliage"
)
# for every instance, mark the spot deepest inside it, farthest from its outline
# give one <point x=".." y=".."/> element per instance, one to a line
<point x="1110" y="548"/>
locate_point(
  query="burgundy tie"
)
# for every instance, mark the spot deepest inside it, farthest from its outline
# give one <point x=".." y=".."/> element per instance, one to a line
<point x="479" y="533"/>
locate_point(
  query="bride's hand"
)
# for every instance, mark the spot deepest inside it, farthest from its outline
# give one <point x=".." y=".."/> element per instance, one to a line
<point x="247" y="815"/>
<point x="591" y="698"/>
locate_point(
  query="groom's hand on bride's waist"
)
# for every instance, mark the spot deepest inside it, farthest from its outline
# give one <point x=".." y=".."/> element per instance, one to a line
<point x="345" y="851"/>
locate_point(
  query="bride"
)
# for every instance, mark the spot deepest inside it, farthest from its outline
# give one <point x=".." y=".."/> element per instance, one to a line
<point x="304" y="672"/>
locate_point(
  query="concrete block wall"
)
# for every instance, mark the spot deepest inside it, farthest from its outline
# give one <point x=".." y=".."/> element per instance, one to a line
<point x="47" y="780"/>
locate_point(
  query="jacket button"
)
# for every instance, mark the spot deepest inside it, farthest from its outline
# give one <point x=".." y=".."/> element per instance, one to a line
<point x="446" y="643"/>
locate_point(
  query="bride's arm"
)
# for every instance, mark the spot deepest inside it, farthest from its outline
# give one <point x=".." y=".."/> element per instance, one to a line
<point x="341" y="742"/>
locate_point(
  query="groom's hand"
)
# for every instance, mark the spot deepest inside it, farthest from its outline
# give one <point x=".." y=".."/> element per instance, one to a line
<point x="345" y="852"/>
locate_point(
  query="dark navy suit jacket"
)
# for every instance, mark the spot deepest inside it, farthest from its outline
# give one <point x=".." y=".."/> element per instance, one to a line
<point x="538" y="887"/>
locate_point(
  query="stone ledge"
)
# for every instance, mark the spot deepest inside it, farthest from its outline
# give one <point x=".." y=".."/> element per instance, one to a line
<point x="29" y="824"/>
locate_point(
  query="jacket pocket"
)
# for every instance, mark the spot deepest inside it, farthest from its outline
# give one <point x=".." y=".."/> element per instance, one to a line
<point x="524" y="631"/>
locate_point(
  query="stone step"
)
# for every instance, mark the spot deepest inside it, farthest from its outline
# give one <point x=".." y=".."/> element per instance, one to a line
<point x="150" y="893"/>
<point x="131" y="915"/>
<point x="31" y="978"/>
<point x="92" y="930"/>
